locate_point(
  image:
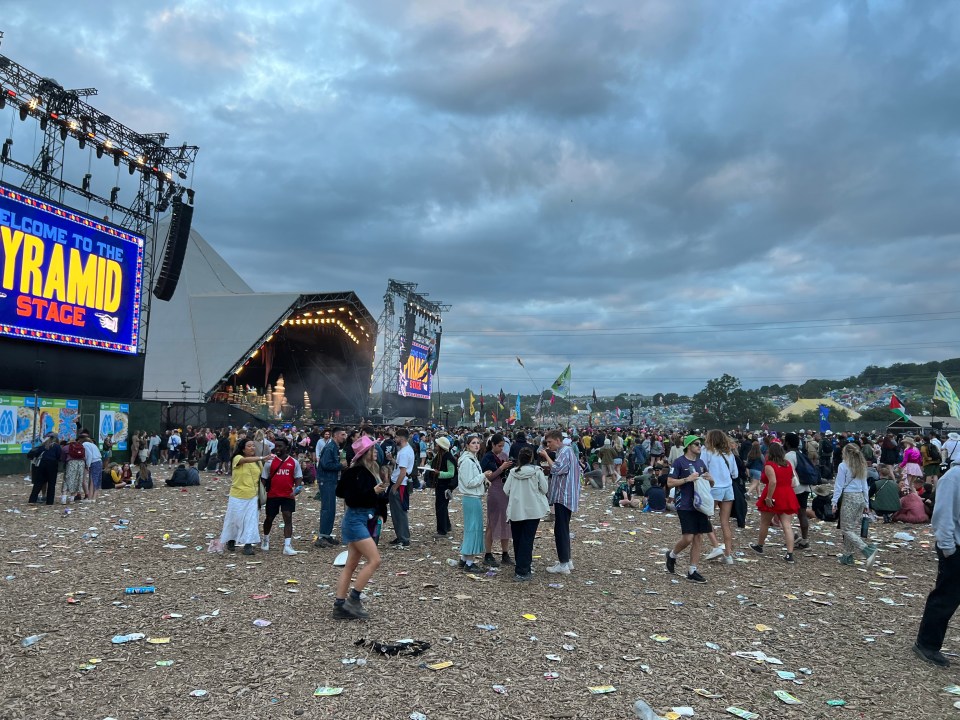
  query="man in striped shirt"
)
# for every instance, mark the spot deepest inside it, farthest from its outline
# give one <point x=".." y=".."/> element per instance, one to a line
<point x="563" y="494"/>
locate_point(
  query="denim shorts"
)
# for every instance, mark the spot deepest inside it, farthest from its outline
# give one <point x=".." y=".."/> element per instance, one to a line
<point x="724" y="494"/>
<point x="354" y="527"/>
<point x="754" y="474"/>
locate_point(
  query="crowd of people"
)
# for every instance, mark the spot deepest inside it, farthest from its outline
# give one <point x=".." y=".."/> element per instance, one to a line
<point x="507" y="483"/>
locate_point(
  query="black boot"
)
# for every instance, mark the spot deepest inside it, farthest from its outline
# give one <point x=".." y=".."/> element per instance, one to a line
<point x="506" y="559"/>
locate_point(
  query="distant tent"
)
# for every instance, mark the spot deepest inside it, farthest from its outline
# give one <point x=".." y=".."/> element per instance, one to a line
<point x="802" y="406"/>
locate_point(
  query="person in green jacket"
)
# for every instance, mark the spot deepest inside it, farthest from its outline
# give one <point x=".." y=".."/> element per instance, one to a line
<point x="886" y="496"/>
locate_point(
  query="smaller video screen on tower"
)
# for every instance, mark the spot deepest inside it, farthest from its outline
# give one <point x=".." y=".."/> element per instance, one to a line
<point x="415" y="374"/>
<point x="67" y="278"/>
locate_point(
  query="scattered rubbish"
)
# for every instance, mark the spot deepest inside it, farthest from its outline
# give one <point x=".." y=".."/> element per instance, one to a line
<point x="836" y="703"/>
<point x="571" y="634"/>
<point x="569" y="648"/>
<point x="145" y="590"/>
<point x="786" y="674"/>
<point x="741" y="713"/>
<point x="405" y="647"/>
<point x="529" y="616"/>
<point x="758" y="656"/>
<point x="631" y="658"/>
<point x="683" y="711"/>
<point x="261" y="623"/>
<point x="904" y="536"/>
<point x="260" y="597"/>
<point x="551" y="675"/>
<point x="712" y="646"/>
<point x="159" y="641"/>
<point x="198" y="693"/>
<point x="173" y="546"/>
<point x="500" y="689"/>
<point x="553" y="658"/>
<point x="660" y="638"/>
<point x="442" y="665"/>
<point x="130" y="637"/>
<point x="601" y="689"/>
<point x="486" y="627"/>
<point x="417" y="716"/>
<point x="171" y="616"/>
<point x="325" y="691"/>
<point x="785" y="697"/>
<point x="32" y="640"/>
<point x="644" y="711"/>
<point x="952" y="689"/>
<point x="164" y="663"/>
<point x="707" y="694"/>
<point x="762" y="628"/>
<point x="556" y="586"/>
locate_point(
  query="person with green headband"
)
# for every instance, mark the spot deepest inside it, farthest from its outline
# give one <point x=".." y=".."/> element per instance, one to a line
<point x="693" y="523"/>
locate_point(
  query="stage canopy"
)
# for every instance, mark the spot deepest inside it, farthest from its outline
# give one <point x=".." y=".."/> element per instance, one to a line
<point x="218" y="340"/>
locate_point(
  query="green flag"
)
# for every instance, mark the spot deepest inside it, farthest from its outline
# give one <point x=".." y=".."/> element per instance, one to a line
<point x="943" y="391"/>
<point x="562" y="384"/>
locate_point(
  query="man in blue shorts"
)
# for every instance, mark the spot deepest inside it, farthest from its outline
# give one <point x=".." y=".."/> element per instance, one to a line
<point x="693" y="523"/>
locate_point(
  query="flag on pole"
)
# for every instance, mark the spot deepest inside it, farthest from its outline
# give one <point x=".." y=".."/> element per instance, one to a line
<point x="502" y="399"/>
<point x="472" y="408"/>
<point x="824" y="415"/>
<point x="518" y="406"/>
<point x="594" y="394"/>
<point x="494" y="416"/>
<point x="898" y="409"/>
<point x="553" y="399"/>
<point x="521" y="363"/>
<point x="481" y="398"/>
<point x="943" y="391"/>
<point x="618" y="412"/>
<point x="589" y="407"/>
<point x="539" y="405"/>
<point x="461" y="403"/>
<point x="561" y="385"/>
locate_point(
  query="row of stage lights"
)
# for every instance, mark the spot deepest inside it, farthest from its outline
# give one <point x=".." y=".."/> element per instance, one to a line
<point x="308" y="319"/>
<point x="422" y="312"/>
<point x="83" y="132"/>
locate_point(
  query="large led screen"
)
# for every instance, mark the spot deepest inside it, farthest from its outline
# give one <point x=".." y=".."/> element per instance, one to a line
<point x="415" y="374"/>
<point x="67" y="278"/>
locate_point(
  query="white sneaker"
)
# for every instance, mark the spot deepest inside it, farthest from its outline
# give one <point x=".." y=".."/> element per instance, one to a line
<point x="265" y="545"/>
<point x="714" y="554"/>
<point x="559" y="569"/>
<point x="288" y="550"/>
<point x="569" y="564"/>
<point x="728" y="559"/>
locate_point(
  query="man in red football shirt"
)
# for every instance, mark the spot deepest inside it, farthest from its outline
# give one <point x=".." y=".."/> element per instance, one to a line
<point x="284" y="479"/>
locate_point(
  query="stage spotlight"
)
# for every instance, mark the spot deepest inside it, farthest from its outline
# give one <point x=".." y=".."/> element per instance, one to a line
<point x="190" y="194"/>
<point x="5" y="152"/>
<point x="182" y="174"/>
<point x="114" y="194"/>
<point x="149" y="209"/>
<point x="82" y="141"/>
<point x="63" y="132"/>
<point x="116" y="158"/>
<point x="132" y="168"/>
<point x="99" y="151"/>
<point x="43" y="122"/>
<point x="3" y="100"/>
<point x="86" y="182"/>
<point x="24" y="111"/>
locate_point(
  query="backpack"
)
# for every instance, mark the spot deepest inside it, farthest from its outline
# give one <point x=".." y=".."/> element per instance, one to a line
<point x="75" y="451"/>
<point x="807" y="472"/>
<point x="933" y="453"/>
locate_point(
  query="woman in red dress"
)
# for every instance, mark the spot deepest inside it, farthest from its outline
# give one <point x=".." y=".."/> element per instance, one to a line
<point x="777" y="499"/>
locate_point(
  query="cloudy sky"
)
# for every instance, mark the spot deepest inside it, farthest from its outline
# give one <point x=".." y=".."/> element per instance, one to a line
<point x="654" y="191"/>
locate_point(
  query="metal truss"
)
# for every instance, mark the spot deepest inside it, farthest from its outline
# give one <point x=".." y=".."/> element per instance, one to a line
<point x="64" y="113"/>
<point x="393" y="330"/>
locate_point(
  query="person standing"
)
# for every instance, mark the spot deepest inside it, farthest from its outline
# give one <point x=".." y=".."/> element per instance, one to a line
<point x="443" y="476"/>
<point x="399" y="496"/>
<point x="943" y="600"/>
<point x="911" y="470"/>
<point x="495" y="466"/>
<point x="693" y="524"/>
<point x="472" y="484"/>
<point x="284" y="479"/>
<point x="330" y="461"/>
<point x="94" y="462"/>
<point x="526" y="490"/>
<point x="777" y="499"/>
<point x="241" y="523"/>
<point x="74" y="456"/>
<point x="851" y="494"/>
<point x="607" y="455"/>
<point x="791" y="444"/>
<point x="45" y="459"/>
<point x="563" y="494"/>
<point x="360" y="486"/>
<point x="720" y="462"/>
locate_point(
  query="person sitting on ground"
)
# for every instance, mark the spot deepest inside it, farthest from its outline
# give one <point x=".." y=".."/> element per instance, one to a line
<point x="886" y="494"/>
<point x="656" y="496"/>
<point x="144" y="479"/>
<point x="911" y="510"/>
<point x="623" y="495"/>
<point x="182" y="477"/>
<point x="594" y="477"/>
